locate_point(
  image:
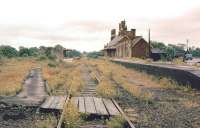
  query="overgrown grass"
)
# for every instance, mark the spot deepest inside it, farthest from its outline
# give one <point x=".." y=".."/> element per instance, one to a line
<point x="71" y="116"/>
<point x="122" y="77"/>
<point x="12" y="73"/>
<point x="63" y="76"/>
<point x="116" y="122"/>
<point x="106" y="89"/>
<point x="168" y="83"/>
<point x="75" y="80"/>
<point x="178" y="61"/>
<point x="50" y="122"/>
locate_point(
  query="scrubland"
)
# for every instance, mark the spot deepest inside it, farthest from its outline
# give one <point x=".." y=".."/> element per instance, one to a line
<point x="64" y="77"/>
<point x="12" y="73"/>
<point x="157" y="101"/>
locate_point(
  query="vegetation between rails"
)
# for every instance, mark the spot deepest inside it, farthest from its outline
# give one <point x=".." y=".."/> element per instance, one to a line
<point x="74" y="119"/>
<point x="63" y="76"/>
<point x="119" y="75"/>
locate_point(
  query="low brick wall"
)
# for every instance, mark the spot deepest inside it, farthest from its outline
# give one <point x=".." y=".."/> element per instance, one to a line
<point x="183" y="77"/>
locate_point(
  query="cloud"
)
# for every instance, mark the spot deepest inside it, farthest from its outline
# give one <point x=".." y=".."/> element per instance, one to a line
<point x="179" y="29"/>
<point x="89" y="26"/>
<point x="73" y="31"/>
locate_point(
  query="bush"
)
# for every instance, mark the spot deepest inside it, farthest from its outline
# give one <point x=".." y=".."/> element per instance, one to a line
<point x="94" y="54"/>
<point x="23" y="52"/>
<point x="8" y="51"/>
<point x="117" y="122"/>
<point x="72" y="53"/>
<point x="52" y="65"/>
<point x="41" y="58"/>
<point x="51" y="57"/>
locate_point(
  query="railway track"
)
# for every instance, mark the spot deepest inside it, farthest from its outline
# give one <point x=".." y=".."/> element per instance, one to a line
<point x="89" y="91"/>
<point x="125" y="109"/>
<point x="90" y="84"/>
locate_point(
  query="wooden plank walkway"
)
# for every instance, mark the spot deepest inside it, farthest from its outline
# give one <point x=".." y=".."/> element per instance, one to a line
<point x="33" y="92"/>
<point x="90" y="105"/>
<point x="54" y="102"/>
<point x="94" y="105"/>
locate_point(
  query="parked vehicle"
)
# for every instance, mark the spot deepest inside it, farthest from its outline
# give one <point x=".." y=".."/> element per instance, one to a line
<point x="188" y="56"/>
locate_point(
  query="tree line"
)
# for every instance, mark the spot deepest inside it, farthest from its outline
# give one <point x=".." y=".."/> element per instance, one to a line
<point x="42" y="52"/>
<point x="171" y="50"/>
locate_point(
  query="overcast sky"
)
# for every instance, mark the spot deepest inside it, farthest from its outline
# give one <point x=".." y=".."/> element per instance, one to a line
<point x="85" y="24"/>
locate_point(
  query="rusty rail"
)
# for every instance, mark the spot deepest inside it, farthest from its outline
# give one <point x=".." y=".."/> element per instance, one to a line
<point x="63" y="112"/>
<point x="123" y="114"/>
<point x="118" y="107"/>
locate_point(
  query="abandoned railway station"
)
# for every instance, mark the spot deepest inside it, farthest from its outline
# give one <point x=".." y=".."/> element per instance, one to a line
<point x="126" y="43"/>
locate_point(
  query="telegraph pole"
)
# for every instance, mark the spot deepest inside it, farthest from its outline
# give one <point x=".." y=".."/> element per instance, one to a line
<point x="149" y="42"/>
<point x="187" y="45"/>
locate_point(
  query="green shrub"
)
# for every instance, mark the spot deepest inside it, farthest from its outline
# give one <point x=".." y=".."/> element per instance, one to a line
<point x="53" y="65"/>
<point x="72" y="53"/>
<point x="41" y="58"/>
<point x="52" y="57"/>
<point x="8" y="51"/>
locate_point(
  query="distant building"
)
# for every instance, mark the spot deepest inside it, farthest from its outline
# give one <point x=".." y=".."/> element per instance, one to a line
<point x="66" y="53"/>
<point x="126" y="44"/>
<point x="157" y="54"/>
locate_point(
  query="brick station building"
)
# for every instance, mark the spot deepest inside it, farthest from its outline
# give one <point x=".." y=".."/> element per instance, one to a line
<point x="126" y="43"/>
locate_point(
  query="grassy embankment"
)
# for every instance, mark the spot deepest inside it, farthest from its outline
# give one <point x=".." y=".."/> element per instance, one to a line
<point x="124" y="77"/>
<point x="112" y="74"/>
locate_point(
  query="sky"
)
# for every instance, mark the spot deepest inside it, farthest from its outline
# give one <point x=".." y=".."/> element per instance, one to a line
<point x="85" y="24"/>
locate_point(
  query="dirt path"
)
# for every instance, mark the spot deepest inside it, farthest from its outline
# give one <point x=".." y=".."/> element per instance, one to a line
<point x="33" y="92"/>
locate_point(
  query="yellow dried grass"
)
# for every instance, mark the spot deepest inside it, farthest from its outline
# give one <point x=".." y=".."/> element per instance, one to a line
<point x="12" y="73"/>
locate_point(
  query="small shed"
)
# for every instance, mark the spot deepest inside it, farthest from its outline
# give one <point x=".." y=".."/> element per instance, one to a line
<point x="157" y="54"/>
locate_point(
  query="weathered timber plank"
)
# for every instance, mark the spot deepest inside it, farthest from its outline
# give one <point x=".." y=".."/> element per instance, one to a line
<point x="60" y="105"/>
<point x="112" y="110"/>
<point x="100" y="107"/>
<point x="55" y="102"/>
<point x="89" y="105"/>
<point x="47" y="102"/>
<point x="81" y="104"/>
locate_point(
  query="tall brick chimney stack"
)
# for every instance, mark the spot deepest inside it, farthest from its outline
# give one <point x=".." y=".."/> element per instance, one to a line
<point x="133" y="31"/>
<point x="113" y="34"/>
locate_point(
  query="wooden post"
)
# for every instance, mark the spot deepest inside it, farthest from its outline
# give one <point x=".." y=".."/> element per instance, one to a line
<point x="149" y="43"/>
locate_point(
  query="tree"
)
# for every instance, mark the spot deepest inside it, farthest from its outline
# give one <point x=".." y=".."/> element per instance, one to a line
<point x="160" y="45"/>
<point x="23" y="52"/>
<point x="8" y="51"/>
<point x="196" y="52"/>
<point x="170" y="53"/>
<point x="72" y="53"/>
<point x="94" y="54"/>
<point x="33" y="51"/>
